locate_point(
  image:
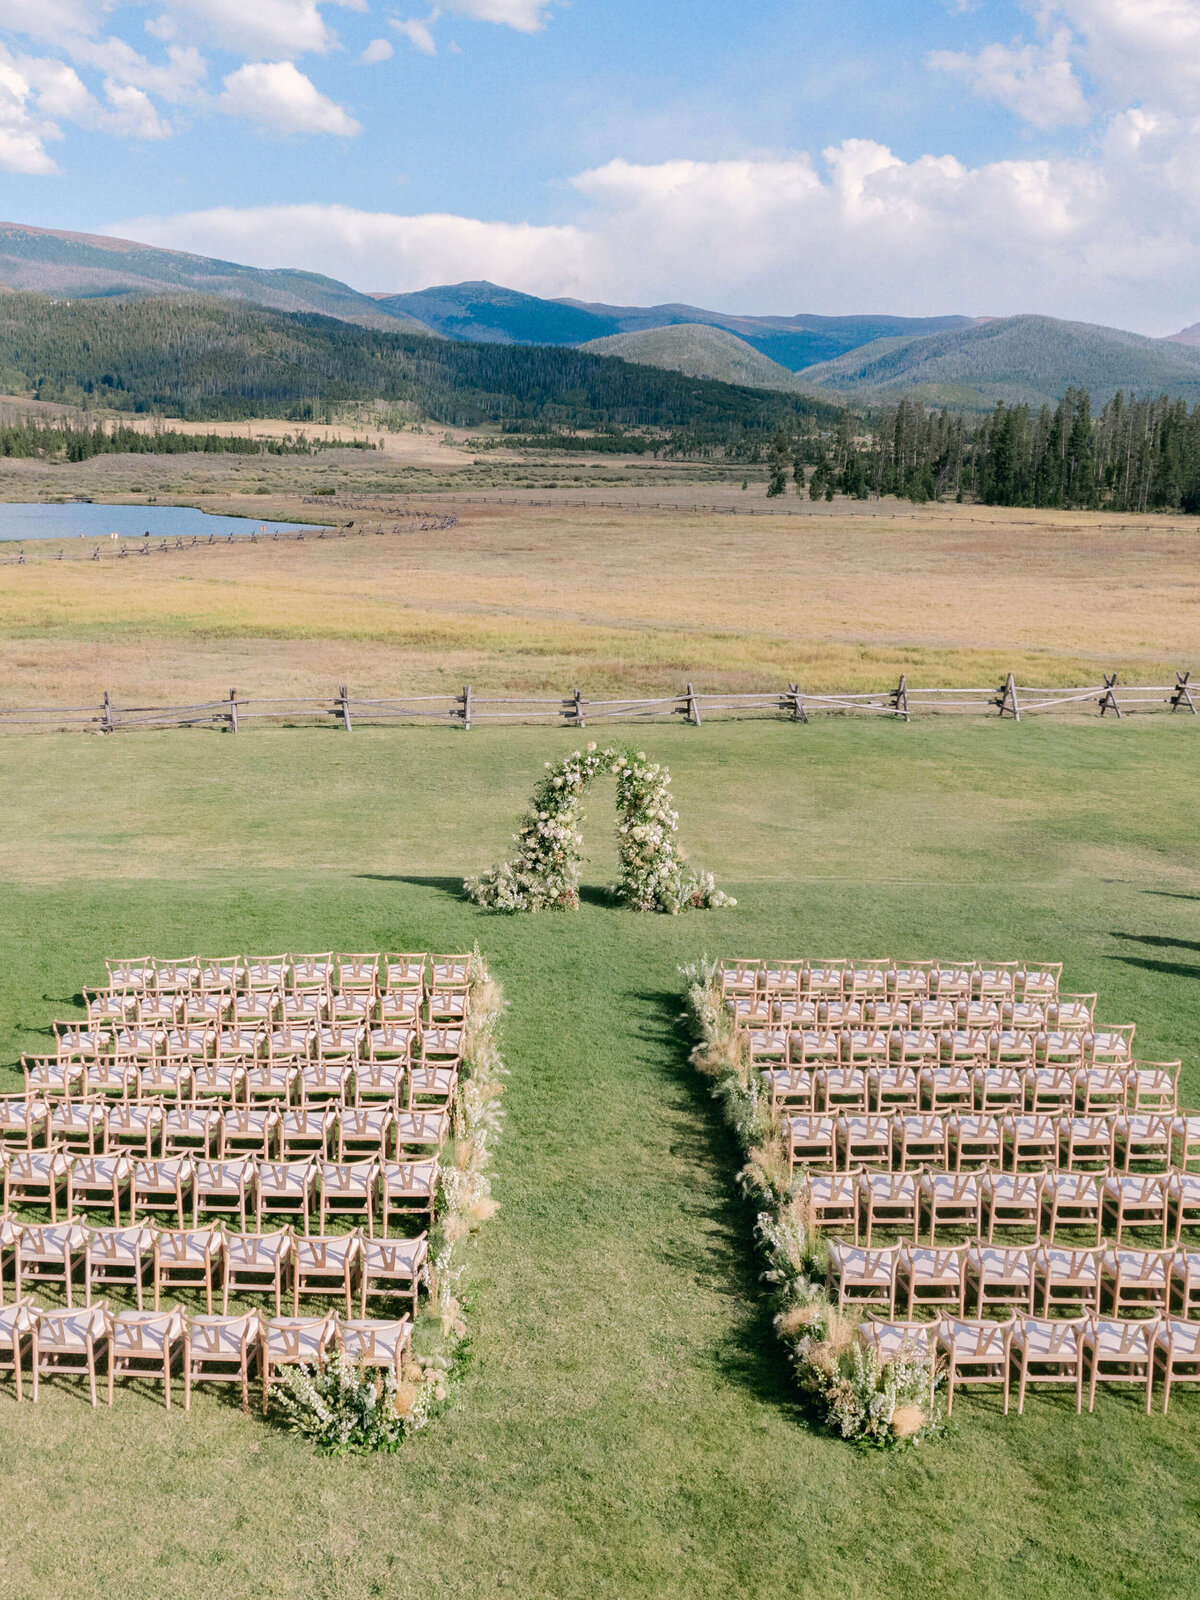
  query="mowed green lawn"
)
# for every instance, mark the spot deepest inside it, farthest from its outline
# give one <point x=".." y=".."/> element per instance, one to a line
<point x="628" y="1428"/>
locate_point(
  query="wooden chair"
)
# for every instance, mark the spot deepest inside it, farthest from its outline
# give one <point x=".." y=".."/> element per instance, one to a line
<point x="974" y="1138"/>
<point x="1086" y="1143"/>
<point x="862" y="1277"/>
<point x="888" y="1200"/>
<point x="307" y="1130"/>
<point x="164" y="1080"/>
<point x="922" y="1140"/>
<point x="338" y="1043"/>
<point x="975" y="1353"/>
<point x="1184" y="1294"/>
<point x="1143" y="1137"/>
<point x="356" y="971"/>
<point x="791" y="1089"/>
<point x="239" y="1044"/>
<point x="1013" y="1046"/>
<point x="349" y="1189"/>
<point x="893" y="1088"/>
<point x="431" y="1085"/>
<point x="275" y="1083"/>
<point x="865" y="1046"/>
<point x="221" y="973"/>
<point x="144" y="1344"/>
<point x="1066" y="1278"/>
<point x="161" y="1188"/>
<point x="451" y="968"/>
<point x="999" y="1090"/>
<point x="48" y="1253"/>
<point x="949" y="980"/>
<point x="364" y="1131"/>
<point x="949" y="1087"/>
<point x="894" y="1341"/>
<point x="1000" y="1276"/>
<point x="402" y="1006"/>
<point x="407" y="1189"/>
<point x="390" y="1266"/>
<point x="224" y="1188"/>
<point x="1049" y="1352"/>
<point x="1183" y="1202"/>
<point x="1051" y="1090"/>
<point x="964" y="1048"/>
<point x="1071" y="1200"/>
<point x="71" y="1343"/>
<point x="952" y="1198"/>
<point x="1038" y="982"/>
<point x="1137" y="1200"/>
<point x="192" y="1258"/>
<point x="865" y="1141"/>
<point x="380" y="1082"/>
<point x="1063" y="1047"/>
<point x="226" y="1081"/>
<point x="285" y="1188"/>
<point x="119" y="1257"/>
<point x="392" y="1040"/>
<point x="16" y="1325"/>
<point x="1101" y="1091"/>
<point x="290" y="1040"/>
<point x="264" y="972"/>
<point x="221" y="1349"/>
<point x="193" y="1130"/>
<point x="133" y="976"/>
<point x="325" y="1266"/>
<point x="914" y="1047"/>
<point x="23" y="1120"/>
<point x="135" y="1126"/>
<point x="310" y="974"/>
<point x="841" y="1089"/>
<point x="401" y="971"/>
<point x="1119" y="1352"/>
<point x="326" y="1081"/>
<point x="290" y="1342"/>
<point x="1112" y="1043"/>
<point x="1011" y="1200"/>
<point x="34" y="1177"/>
<point x="251" y="1130"/>
<point x="1072" y="1011"/>
<point x="1177" y="1352"/>
<point x="1185" y="1141"/>
<point x="830" y="1198"/>
<point x="1030" y="1139"/>
<point x="1154" y="1086"/>
<point x="79" y="1127"/>
<point x="930" y="1277"/>
<point x="256" y="1263"/>
<point x="813" y="1047"/>
<point x="170" y="977"/>
<point x="1133" y="1281"/>
<point x="98" y="1183"/>
<point x="47" y="1075"/>
<point x="910" y="979"/>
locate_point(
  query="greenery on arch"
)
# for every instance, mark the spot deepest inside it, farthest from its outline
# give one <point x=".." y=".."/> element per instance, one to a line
<point x="543" y="875"/>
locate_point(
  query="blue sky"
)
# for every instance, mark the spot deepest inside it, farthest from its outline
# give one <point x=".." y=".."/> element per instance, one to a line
<point x="781" y="155"/>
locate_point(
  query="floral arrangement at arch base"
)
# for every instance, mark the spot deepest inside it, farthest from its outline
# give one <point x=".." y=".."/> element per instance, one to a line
<point x="872" y="1402"/>
<point x="543" y="875"/>
<point x="345" y="1409"/>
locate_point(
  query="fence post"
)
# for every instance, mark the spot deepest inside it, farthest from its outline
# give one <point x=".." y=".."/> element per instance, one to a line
<point x="578" y="703"/>
<point x="693" y="707"/>
<point x="1108" y="700"/>
<point x="1183" y="695"/>
<point x="233" y="720"/>
<point x="108" y="716"/>
<point x="466" y="706"/>
<point x="797" y="704"/>
<point x="1008" y="698"/>
<point x="344" y="706"/>
<point x="900" y="698"/>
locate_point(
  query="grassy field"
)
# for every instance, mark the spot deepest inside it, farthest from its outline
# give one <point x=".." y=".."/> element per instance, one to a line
<point x="628" y="1428"/>
<point x="626" y="600"/>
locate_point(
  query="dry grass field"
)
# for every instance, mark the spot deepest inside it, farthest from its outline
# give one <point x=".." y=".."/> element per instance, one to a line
<point x="537" y="598"/>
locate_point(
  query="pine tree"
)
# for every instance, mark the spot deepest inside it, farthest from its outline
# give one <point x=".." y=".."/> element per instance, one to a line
<point x="780" y="459"/>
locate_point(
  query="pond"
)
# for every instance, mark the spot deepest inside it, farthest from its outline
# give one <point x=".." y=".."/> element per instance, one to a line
<point x="77" y="520"/>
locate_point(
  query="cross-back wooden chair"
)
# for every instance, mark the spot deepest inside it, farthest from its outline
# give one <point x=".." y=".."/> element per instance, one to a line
<point x="1101" y="1091"/>
<point x="224" y="1189"/>
<point x="975" y="1354"/>
<point x="865" y="1140"/>
<point x="1184" y="1295"/>
<point x="830" y="1199"/>
<point x="1087" y="1144"/>
<point x="1065" y="1278"/>
<point x="1049" y="1352"/>
<point x="1134" y="1281"/>
<point x="999" y="1090"/>
<point x="222" y="1349"/>
<point x="327" y="1081"/>
<point x="193" y="1130"/>
<point x="307" y="1130"/>
<point x="889" y="1200"/>
<point x="309" y="974"/>
<point x="811" y="1141"/>
<point x="931" y="1277"/>
<point x="34" y="1177"/>
<point x="16" y="1326"/>
<point x="1011" y="1200"/>
<point x="403" y="971"/>
<point x="1071" y="1200"/>
<point x="1177" y="1353"/>
<point x="392" y="1266"/>
<point x="1154" y="1086"/>
<point x="145" y="1344"/>
<point x="862" y="1277"/>
<point x="265" y="972"/>
<point x="169" y="1081"/>
<point x="1072" y="1011"/>
<point x="220" y="973"/>
<point x="275" y="1083"/>
<point x="290" y="1342"/>
<point x="892" y="1088"/>
<point x="253" y="1130"/>
<point x="841" y="1089"/>
<point x="49" y="1253"/>
<point x="162" y="1188"/>
<point x="24" y="1121"/>
<point x="922" y="1140"/>
<point x="98" y="1183"/>
<point x="348" y="1189"/>
<point x="952" y="1199"/>
<point x="374" y="1343"/>
<point x="223" y="1081"/>
<point x="120" y="1258"/>
<point x="1050" y="1091"/>
<point x="135" y="1126"/>
<point x="47" y="1075"/>
<point x="974" y="1140"/>
<point x="188" y="1258"/>
<point x="1038" y="981"/>
<point x="1143" y="1138"/>
<point x="326" y="1266"/>
<point x="1000" y="1276"/>
<point x="1136" y="1201"/>
<point x="421" y="1132"/>
<point x="257" y="1263"/>
<point x="1119" y="1352"/>
<point x="286" y="1189"/>
<point x="408" y="1189"/>
<point x="1183" y="1203"/>
<point x="1030" y="1139"/>
<point x="71" y="1343"/>
<point x="909" y="980"/>
<point x="365" y="1131"/>
<point x="450" y="969"/>
<point x="1113" y="1042"/>
<point x="79" y="1127"/>
<point x="1185" y="1141"/>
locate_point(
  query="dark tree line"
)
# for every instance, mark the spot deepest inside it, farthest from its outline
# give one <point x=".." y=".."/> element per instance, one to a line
<point x="66" y="441"/>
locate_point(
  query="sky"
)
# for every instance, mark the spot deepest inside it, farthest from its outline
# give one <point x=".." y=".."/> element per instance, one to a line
<point x="917" y="157"/>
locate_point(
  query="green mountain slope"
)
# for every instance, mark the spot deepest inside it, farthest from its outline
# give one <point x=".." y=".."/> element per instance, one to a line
<point x="201" y="357"/>
<point x="86" y="265"/>
<point x="700" y="351"/>
<point x="1031" y="360"/>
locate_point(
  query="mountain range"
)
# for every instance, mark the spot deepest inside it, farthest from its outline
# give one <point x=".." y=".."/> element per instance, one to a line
<point x="958" y="361"/>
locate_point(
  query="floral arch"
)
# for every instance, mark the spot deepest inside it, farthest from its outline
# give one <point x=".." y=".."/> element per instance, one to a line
<point x="543" y="875"/>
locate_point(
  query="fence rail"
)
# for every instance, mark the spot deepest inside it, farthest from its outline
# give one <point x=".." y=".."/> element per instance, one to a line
<point x="467" y="708"/>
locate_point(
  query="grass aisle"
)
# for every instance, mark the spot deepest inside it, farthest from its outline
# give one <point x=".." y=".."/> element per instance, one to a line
<point x="627" y="1429"/>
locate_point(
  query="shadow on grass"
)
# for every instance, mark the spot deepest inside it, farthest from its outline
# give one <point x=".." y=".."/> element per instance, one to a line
<point x="1170" y="969"/>
<point x="1171" y="894"/>
<point x="1157" y="941"/>
<point x="751" y="1353"/>
<point x="450" y="886"/>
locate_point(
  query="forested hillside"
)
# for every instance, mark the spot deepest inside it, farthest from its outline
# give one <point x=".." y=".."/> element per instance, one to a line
<point x="214" y="358"/>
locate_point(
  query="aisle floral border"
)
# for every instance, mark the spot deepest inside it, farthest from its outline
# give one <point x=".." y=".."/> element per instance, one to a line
<point x="544" y="873"/>
<point x="345" y="1410"/>
<point x="886" y="1404"/>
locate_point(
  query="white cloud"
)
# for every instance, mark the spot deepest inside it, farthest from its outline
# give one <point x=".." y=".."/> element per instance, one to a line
<point x="527" y="16"/>
<point x="132" y="112"/>
<point x="1038" y="82"/>
<point x="277" y="95"/>
<point x="277" y="27"/>
<point x="23" y="133"/>
<point x="378" y="50"/>
<point x="1114" y="239"/>
<point x="419" y="34"/>
<point x="1146" y="51"/>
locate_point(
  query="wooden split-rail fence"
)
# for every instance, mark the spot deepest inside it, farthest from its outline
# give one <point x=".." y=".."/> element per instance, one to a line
<point x="467" y="709"/>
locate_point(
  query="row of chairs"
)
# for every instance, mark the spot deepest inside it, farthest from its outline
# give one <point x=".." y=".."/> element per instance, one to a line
<point x="766" y="1010"/>
<point x="304" y="1191"/>
<point x="1060" y="1352"/>
<point x="1050" y="1203"/>
<point x="138" y="1258"/>
<point x="151" y="1345"/>
<point x="296" y="974"/>
<point x="1123" y="1281"/>
<point x="904" y="1141"/>
<point x="298" y="1039"/>
<point x="1107" y="1045"/>
<point x="905" y="980"/>
<point x="1140" y="1086"/>
<point x="224" y="1128"/>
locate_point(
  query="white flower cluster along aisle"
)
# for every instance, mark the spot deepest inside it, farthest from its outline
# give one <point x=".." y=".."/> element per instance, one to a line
<point x="543" y="875"/>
